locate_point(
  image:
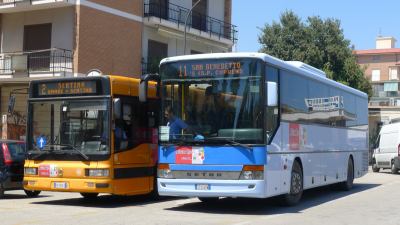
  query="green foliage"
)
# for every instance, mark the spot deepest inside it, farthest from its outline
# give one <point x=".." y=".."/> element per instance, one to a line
<point x="320" y="43"/>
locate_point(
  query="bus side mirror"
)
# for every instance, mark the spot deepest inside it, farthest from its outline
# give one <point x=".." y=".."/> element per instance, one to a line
<point x="272" y="94"/>
<point x="117" y="108"/>
<point x="144" y="85"/>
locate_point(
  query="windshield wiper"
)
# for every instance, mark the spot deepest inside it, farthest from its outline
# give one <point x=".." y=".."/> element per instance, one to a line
<point x="75" y="149"/>
<point x="40" y="152"/>
<point x="230" y="141"/>
<point x="51" y="149"/>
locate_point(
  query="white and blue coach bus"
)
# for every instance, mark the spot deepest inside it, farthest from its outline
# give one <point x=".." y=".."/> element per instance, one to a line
<point x="251" y="125"/>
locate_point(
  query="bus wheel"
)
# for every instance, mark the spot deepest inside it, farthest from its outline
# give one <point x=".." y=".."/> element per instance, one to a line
<point x="89" y="196"/>
<point x="296" y="186"/>
<point x="208" y="200"/>
<point x="154" y="193"/>
<point x="31" y="194"/>
<point x="393" y="168"/>
<point x="375" y="167"/>
<point x="348" y="184"/>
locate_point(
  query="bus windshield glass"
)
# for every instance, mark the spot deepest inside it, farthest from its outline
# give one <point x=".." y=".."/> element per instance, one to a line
<point x="212" y="101"/>
<point x="72" y="126"/>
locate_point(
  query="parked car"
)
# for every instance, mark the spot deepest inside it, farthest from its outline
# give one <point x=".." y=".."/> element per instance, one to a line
<point x="387" y="149"/>
<point x="12" y="158"/>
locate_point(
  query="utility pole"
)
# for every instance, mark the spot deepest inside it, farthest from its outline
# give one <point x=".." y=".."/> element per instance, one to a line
<point x="184" y="33"/>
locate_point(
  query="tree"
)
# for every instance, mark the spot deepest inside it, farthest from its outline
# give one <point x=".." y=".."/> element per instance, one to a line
<point x="320" y="43"/>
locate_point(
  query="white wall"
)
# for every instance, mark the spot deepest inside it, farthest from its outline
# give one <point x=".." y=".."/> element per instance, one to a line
<point x="175" y="44"/>
<point x="62" y="20"/>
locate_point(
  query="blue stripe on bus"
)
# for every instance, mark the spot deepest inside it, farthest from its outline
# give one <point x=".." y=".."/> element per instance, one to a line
<point x="220" y="155"/>
<point x="192" y="167"/>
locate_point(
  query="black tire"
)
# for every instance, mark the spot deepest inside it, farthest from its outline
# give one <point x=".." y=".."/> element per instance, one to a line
<point x="89" y="196"/>
<point x="32" y="194"/>
<point x="154" y="193"/>
<point x="375" y="167"/>
<point x="348" y="184"/>
<point x="1" y="191"/>
<point x="208" y="199"/>
<point x="296" y="186"/>
<point x="393" y="169"/>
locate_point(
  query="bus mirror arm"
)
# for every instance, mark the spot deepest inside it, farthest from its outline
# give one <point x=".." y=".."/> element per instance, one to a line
<point x="144" y="85"/>
<point x="117" y="108"/>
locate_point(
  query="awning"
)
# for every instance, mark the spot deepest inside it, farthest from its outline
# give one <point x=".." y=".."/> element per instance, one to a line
<point x="391" y="87"/>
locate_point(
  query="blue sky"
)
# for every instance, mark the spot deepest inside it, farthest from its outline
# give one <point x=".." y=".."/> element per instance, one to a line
<point x="361" y="21"/>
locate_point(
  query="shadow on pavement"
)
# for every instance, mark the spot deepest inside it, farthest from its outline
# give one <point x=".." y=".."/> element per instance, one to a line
<point x="12" y="196"/>
<point x="106" y="201"/>
<point x="270" y="206"/>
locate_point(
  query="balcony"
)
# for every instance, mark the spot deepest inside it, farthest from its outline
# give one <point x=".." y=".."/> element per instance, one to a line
<point x="12" y="6"/>
<point x="43" y="63"/>
<point x="173" y="18"/>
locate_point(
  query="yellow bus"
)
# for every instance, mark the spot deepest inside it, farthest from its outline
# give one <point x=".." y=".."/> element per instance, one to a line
<point x="91" y="135"/>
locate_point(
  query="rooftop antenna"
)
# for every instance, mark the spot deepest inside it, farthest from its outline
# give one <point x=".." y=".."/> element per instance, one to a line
<point x="380" y="32"/>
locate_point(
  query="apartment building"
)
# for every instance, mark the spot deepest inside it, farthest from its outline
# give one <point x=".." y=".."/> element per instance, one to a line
<point x="382" y="69"/>
<point x="66" y="38"/>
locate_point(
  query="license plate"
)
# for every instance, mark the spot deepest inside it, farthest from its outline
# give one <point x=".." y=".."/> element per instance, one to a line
<point x="202" y="187"/>
<point x="60" y="185"/>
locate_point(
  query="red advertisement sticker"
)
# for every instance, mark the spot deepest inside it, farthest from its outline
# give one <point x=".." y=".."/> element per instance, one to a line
<point x="294" y="136"/>
<point x="44" y="170"/>
<point x="183" y="155"/>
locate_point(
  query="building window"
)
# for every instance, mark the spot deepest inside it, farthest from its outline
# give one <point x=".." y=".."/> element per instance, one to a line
<point x="199" y="15"/>
<point x="376" y="75"/>
<point x="376" y="58"/>
<point x="38" y="37"/>
<point x="393" y="73"/>
<point x="156" y="52"/>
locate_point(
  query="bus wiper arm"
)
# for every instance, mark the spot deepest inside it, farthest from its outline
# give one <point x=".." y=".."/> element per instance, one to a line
<point x="231" y="141"/>
<point x="40" y="153"/>
<point x="72" y="147"/>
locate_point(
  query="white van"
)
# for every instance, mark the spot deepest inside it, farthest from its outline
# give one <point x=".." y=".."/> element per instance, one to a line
<point x="387" y="149"/>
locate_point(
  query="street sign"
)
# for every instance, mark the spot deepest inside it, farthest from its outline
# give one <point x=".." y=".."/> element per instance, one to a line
<point x="41" y="142"/>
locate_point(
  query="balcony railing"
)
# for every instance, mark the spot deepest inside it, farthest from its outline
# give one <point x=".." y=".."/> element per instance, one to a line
<point x="177" y="14"/>
<point x="49" y="61"/>
<point x="388" y="102"/>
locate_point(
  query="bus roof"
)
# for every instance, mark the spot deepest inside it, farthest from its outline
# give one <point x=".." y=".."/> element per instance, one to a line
<point x="296" y="67"/>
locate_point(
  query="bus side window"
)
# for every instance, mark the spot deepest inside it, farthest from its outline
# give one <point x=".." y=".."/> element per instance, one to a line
<point x="136" y="123"/>
<point x="271" y="112"/>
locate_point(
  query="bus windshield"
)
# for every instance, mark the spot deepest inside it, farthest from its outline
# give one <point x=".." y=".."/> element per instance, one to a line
<point x="73" y="126"/>
<point x="212" y="101"/>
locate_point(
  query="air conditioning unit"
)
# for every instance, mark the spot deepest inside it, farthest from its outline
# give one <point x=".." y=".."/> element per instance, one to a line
<point x="19" y="63"/>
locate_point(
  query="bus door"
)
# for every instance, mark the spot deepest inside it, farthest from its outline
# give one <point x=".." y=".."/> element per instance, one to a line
<point x="135" y="144"/>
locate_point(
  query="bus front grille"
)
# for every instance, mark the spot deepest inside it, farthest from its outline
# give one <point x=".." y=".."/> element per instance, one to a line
<point x="216" y="175"/>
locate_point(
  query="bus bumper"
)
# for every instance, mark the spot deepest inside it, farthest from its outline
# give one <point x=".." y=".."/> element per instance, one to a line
<point x="68" y="185"/>
<point x="216" y="188"/>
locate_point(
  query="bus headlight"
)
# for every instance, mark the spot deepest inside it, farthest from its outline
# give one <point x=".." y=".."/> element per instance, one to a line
<point x="30" y="171"/>
<point x="163" y="171"/>
<point x="252" y="173"/>
<point x="97" y="172"/>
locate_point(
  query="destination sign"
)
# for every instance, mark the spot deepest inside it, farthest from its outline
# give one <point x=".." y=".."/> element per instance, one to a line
<point x="67" y="88"/>
<point x="210" y="69"/>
